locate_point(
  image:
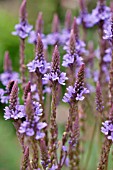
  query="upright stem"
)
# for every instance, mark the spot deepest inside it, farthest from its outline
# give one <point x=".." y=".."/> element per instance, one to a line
<point x="74" y="137"/>
<point x="22" y="64"/>
<point x="35" y="159"/>
<point x="104" y="154"/>
<point x="53" y="128"/>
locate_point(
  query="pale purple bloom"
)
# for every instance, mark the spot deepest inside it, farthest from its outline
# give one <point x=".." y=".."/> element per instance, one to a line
<point x="8" y="76"/>
<point x="64" y="37"/>
<point x="33" y="126"/>
<point x="74" y="92"/>
<point x="19" y="112"/>
<point x="42" y="65"/>
<point x="33" y="39"/>
<point x="22" y="29"/>
<point x="53" y="38"/>
<point x="107" y="57"/>
<point x="61" y="77"/>
<point x="108" y="34"/>
<point x="86" y="18"/>
<point x="3" y="97"/>
<point x="107" y="129"/>
<point x="100" y="13"/>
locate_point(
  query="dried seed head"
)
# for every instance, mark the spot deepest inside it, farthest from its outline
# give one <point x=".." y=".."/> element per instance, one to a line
<point x="75" y="28"/>
<point x="27" y="90"/>
<point x="39" y="48"/>
<point x="23" y="13"/>
<point x="39" y="23"/>
<point x="13" y="96"/>
<point x="29" y="107"/>
<point x="72" y="43"/>
<point x="56" y="60"/>
<point x="7" y="62"/>
<point x="68" y="20"/>
<point x="55" y="24"/>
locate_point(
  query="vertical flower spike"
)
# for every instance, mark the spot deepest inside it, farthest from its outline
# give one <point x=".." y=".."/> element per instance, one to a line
<point x="44" y="154"/>
<point x="55" y="24"/>
<point x="8" y="74"/>
<point x="7" y="62"/>
<point x="39" y="23"/>
<point x="54" y="37"/>
<point x="75" y="28"/>
<point x="55" y="74"/>
<point x="39" y="64"/>
<point x="22" y="30"/>
<point x="75" y="93"/>
<point x="13" y="96"/>
<point x="27" y="90"/>
<point x="99" y="100"/>
<point x="25" y="161"/>
<point x="68" y="20"/>
<point x="56" y="61"/>
<point x="14" y="111"/>
<point x="22" y="12"/>
<point x="29" y="107"/>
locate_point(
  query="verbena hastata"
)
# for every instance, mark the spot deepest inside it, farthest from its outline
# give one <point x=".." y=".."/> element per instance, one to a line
<point x="34" y="115"/>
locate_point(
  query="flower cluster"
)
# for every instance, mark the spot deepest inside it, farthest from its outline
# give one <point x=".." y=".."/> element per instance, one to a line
<point x="22" y="29"/>
<point x="18" y="112"/>
<point x="77" y="91"/>
<point x="32" y="125"/>
<point x="107" y="129"/>
<point x="39" y="62"/>
<point x="55" y="74"/>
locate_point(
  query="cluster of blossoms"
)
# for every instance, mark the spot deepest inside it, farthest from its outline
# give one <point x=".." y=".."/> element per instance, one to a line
<point x="107" y="129"/>
<point x="32" y="125"/>
<point x="55" y="73"/>
<point x="23" y="29"/>
<point x="77" y="91"/>
<point x="39" y="62"/>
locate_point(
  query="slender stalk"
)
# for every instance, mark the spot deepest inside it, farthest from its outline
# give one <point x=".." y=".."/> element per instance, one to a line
<point x="22" y="64"/>
<point x="104" y="154"/>
<point x="53" y="128"/>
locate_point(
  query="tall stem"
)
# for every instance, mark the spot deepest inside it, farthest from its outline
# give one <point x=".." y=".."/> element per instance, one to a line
<point x="22" y="64"/>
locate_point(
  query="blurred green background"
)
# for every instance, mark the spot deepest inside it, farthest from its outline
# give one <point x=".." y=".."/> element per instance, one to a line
<point x="10" y="152"/>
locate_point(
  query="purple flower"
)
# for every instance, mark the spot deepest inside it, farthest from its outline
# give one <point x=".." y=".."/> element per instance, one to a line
<point x="76" y="92"/>
<point x="107" y="129"/>
<point x="8" y="76"/>
<point x="100" y="13"/>
<point x="19" y="112"/>
<point x="108" y="34"/>
<point x="22" y="29"/>
<point x="86" y="19"/>
<point x="53" y="38"/>
<point x="33" y="39"/>
<point x="61" y="77"/>
<point x="42" y="65"/>
<point x="3" y="97"/>
<point x="39" y="64"/>
<point x="71" y="91"/>
<point x="33" y="126"/>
